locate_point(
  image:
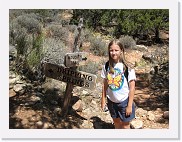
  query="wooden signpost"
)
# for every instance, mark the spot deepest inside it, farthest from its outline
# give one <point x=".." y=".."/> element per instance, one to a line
<point x="78" y="78"/>
<point x="75" y="59"/>
<point x="68" y="73"/>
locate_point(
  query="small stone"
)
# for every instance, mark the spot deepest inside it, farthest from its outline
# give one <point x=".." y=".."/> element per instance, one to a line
<point x="46" y="126"/>
<point x="150" y="116"/>
<point x="78" y="106"/>
<point x="166" y="114"/>
<point x="39" y="124"/>
<point x="136" y="124"/>
<point x="12" y="93"/>
<point x="84" y="92"/>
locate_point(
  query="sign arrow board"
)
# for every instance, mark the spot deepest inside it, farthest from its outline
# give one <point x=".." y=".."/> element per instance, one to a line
<point x="75" y="59"/>
<point x="74" y="77"/>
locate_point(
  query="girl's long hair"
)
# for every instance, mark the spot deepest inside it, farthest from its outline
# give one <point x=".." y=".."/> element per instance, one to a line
<point x="122" y="56"/>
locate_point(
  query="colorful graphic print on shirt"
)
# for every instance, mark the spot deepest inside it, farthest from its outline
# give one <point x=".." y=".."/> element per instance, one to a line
<point x="115" y="83"/>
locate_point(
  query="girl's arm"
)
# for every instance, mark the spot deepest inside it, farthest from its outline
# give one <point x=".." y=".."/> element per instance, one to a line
<point x="131" y="97"/>
<point x="104" y="88"/>
<point x="131" y="92"/>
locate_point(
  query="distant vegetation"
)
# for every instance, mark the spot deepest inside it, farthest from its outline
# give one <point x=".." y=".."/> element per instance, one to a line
<point x="138" y="23"/>
<point x="39" y="33"/>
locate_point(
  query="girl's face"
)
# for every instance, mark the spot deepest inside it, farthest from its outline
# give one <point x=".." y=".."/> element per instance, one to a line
<point x="115" y="52"/>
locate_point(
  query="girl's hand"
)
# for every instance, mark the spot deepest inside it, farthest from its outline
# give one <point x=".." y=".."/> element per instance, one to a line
<point x="128" y="110"/>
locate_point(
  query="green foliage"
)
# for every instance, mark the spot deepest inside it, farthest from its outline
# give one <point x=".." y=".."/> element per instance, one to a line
<point x="59" y="32"/>
<point x="37" y="41"/>
<point x="21" y="41"/>
<point x="72" y="28"/>
<point x="26" y="33"/>
<point x="43" y="12"/>
<point x="131" y="22"/>
<point x="34" y="58"/>
<point x="54" y="51"/>
<point x="21" y="27"/>
<point x="92" y="17"/>
<point x="29" y="22"/>
<point x="90" y="67"/>
<point x="98" y="46"/>
<point x="128" y="42"/>
<point x="143" y="21"/>
<point x="86" y="35"/>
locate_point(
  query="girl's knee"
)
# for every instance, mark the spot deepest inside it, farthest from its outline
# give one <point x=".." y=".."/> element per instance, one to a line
<point x="125" y="125"/>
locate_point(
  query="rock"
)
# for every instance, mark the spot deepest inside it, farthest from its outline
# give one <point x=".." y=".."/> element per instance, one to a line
<point x="136" y="124"/>
<point x="146" y="96"/>
<point x="12" y="74"/>
<point x="140" y="112"/>
<point x="150" y="116"/>
<point x="87" y="124"/>
<point x="12" y="81"/>
<point x="166" y="114"/>
<point x="78" y="106"/>
<point x="33" y="119"/>
<point x="25" y="121"/>
<point x="35" y="98"/>
<point x="46" y="126"/>
<point x="165" y="93"/>
<point x="58" y="110"/>
<point x="85" y="92"/>
<point x="12" y="93"/>
<point x="39" y="124"/>
<point x="159" y="109"/>
<point x="94" y="102"/>
<point x="141" y="47"/>
<point x="19" y="88"/>
<point x="148" y="57"/>
<point x="53" y="102"/>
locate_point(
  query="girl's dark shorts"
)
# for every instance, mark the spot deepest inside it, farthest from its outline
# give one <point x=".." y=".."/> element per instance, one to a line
<point x="117" y="110"/>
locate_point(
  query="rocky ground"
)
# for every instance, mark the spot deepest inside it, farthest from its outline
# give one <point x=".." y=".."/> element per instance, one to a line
<point x="38" y="106"/>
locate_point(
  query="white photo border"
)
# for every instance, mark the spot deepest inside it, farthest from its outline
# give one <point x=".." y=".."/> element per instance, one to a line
<point x="174" y="113"/>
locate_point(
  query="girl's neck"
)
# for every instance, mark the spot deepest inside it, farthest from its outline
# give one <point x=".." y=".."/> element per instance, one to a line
<point x="114" y="61"/>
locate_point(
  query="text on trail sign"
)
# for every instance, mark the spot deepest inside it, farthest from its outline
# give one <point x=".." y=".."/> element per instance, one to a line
<point x="68" y="75"/>
<point x="75" y="59"/>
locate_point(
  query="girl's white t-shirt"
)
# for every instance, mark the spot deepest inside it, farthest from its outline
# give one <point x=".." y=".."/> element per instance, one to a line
<point x="118" y="89"/>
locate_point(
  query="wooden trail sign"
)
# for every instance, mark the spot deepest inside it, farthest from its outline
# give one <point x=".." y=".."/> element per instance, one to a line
<point x="75" y="59"/>
<point x="78" y="78"/>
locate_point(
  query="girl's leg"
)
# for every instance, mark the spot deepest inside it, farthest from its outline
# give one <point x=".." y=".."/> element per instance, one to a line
<point x="117" y="123"/>
<point x="125" y="125"/>
<point x="121" y="125"/>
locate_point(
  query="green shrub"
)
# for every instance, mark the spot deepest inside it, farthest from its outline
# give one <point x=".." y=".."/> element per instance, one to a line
<point x="141" y="63"/>
<point x="26" y="33"/>
<point x="22" y="29"/>
<point x="86" y="35"/>
<point x="98" y="46"/>
<point x="128" y="42"/>
<point x="72" y="28"/>
<point x="59" y="32"/>
<point x="90" y="67"/>
<point x="34" y="58"/>
<point x="29" y="22"/>
<point x="54" y="51"/>
<point x="21" y="41"/>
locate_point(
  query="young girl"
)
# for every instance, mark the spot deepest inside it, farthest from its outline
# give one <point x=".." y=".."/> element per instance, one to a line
<point x="118" y="87"/>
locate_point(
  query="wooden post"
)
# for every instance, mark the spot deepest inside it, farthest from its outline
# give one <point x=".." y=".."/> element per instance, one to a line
<point x="69" y="87"/>
<point x="67" y="98"/>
